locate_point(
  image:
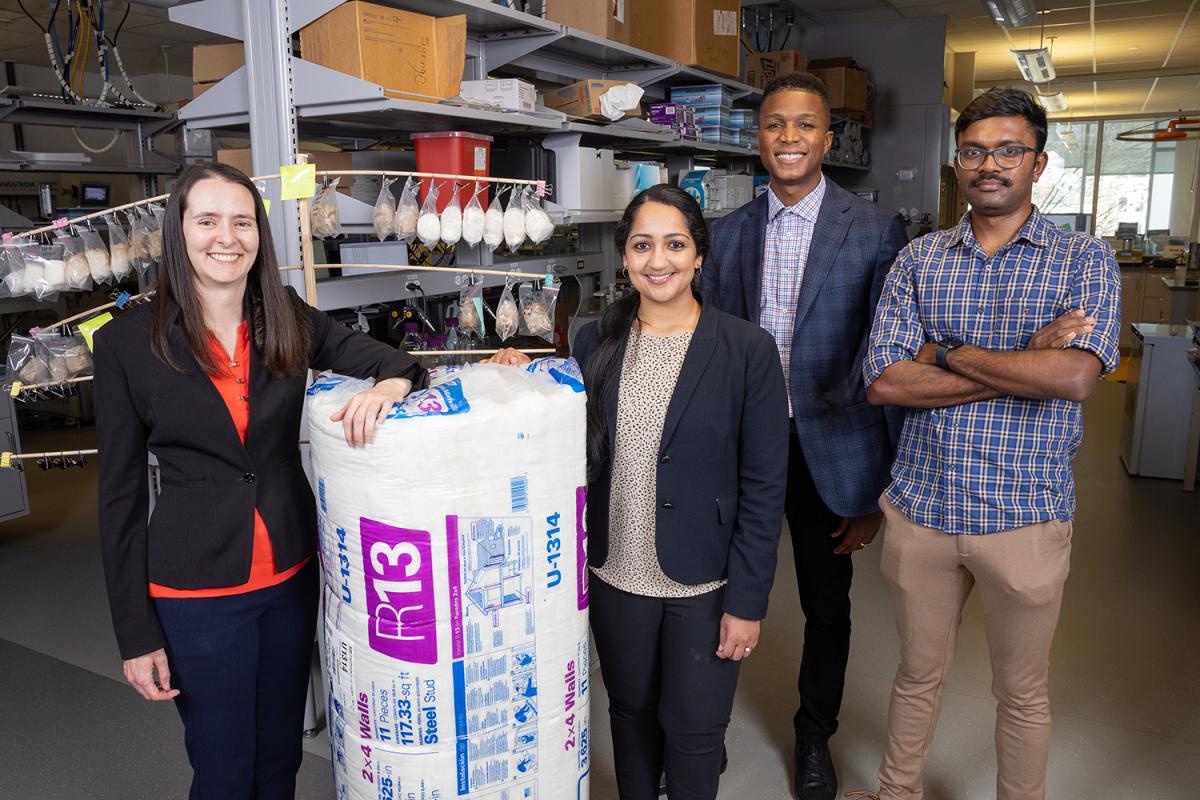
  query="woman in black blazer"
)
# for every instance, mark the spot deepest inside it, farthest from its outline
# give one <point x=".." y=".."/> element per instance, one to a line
<point x="687" y="464"/>
<point x="214" y="597"/>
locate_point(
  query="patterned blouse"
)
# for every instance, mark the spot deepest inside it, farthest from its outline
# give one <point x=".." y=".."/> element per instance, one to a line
<point x="648" y="377"/>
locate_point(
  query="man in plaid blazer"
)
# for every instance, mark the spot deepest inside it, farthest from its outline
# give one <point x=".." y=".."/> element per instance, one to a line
<point x="807" y="260"/>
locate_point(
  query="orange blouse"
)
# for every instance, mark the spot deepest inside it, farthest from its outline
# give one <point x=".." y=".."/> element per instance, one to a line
<point x="234" y="387"/>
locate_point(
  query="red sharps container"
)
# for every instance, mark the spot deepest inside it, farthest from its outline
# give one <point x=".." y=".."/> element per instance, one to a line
<point x="453" y="153"/>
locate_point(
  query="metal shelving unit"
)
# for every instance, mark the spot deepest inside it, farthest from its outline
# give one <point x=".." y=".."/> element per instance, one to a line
<point x="279" y="96"/>
<point x="142" y="124"/>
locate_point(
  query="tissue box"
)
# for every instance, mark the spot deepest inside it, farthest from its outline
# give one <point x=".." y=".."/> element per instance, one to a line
<point x="509" y="94"/>
<point x="721" y="135"/>
<point x="672" y="114"/>
<point x="742" y="118"/>
<point x="706" y="95"/>
<point x="699" y="184"/>
<point x="582" y="99"/>
<point x="712" y="116"/>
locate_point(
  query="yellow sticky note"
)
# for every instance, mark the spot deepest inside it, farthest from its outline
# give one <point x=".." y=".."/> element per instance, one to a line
<point x="15" y="389"/>
<point x="5" y="460"/>
<point x="267" y="205"/>
<point x="297" y="181"/>
<point x="89" y="328"/>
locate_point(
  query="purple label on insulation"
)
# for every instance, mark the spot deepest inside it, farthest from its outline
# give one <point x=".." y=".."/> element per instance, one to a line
<point x="398" y="573"/>
<point x="454" y="573"/>
<point x="581" y="561"/>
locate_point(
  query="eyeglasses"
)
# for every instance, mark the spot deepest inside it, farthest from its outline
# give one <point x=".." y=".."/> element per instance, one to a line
<point x="1007" y="157"/>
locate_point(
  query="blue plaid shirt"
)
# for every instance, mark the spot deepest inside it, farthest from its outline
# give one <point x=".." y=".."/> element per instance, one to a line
<point x="785" y="255"/>
<point x="1001" y="464"/>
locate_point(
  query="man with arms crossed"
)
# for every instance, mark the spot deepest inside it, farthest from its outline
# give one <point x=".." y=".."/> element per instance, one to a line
<point x="992" y="333"/>
<point x="807" y="261"/>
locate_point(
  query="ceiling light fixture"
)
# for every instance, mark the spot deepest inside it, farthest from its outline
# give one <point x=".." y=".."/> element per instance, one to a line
<point x="1035" y="64"/>
<point x="1011" y="13"/>
<point x="1054" y="103"/>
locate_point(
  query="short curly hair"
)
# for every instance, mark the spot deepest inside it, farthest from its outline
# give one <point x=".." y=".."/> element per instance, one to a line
<point x="797" y="82"/>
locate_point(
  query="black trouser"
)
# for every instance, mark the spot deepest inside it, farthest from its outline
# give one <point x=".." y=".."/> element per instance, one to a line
<point x="241" y="664"/>
<point x="669" y="695"/>
<point x="824" y="581"/>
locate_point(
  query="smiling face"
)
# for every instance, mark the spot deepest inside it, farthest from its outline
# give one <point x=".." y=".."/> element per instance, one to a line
<point x="793" y="137"/>
<point x="660" y="254"/>
<point x="220" y="232"/>
<point x="990" y="189"/>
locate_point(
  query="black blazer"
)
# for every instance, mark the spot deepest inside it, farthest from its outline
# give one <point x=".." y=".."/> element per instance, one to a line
<point x="202" y="531"/>
<point x="722" y="463"/>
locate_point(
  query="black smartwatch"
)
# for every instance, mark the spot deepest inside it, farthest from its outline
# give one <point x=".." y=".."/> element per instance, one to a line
<point x="944" y="347"/>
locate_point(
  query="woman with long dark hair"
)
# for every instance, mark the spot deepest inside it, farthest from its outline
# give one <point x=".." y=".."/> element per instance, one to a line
<point x="687" y="464"/>
<point x="214" y="595"/>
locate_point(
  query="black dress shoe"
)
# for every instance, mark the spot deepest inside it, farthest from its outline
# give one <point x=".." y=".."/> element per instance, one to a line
<point x="815" y="776"/>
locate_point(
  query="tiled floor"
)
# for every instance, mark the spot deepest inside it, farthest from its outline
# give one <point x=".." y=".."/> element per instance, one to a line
<point x="1125" y="684"/>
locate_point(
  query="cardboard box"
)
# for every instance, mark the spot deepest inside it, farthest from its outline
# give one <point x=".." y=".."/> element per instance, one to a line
<point x="509" y="94"/>
<point x="243" y="159"/>
<point x="605" y="18"/>
<point x="200" y="88"/>
<point x="699" y="33"/>
<point x="758" y="69"/>
<point x="410" y="55"/>
<point x="846" y="82"/>
<point x="212" y="62"/>
<point x="582" y="99"/>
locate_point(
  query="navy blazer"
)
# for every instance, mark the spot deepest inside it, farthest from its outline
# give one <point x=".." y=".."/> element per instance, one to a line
<point x="848" y="444"/>
<point x="201" y="534"/>
<point x="721" y="467"/>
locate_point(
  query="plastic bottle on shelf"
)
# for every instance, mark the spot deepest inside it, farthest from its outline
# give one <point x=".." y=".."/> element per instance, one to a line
<point x="453" y="341"/>
<point x="412" y="338"/>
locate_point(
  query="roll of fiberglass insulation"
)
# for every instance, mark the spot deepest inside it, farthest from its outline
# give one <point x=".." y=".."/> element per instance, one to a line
<point x="455" y="587"/>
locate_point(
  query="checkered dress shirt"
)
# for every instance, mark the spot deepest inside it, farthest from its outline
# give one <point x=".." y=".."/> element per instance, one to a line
<point x="1001" y="464"/>
<point x="785" y="255"/>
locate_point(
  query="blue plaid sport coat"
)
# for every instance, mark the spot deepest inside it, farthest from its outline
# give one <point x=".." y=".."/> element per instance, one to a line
<point x="848" y="443"/>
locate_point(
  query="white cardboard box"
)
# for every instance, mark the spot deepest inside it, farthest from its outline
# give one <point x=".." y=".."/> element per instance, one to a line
<point x="509" y="94"/>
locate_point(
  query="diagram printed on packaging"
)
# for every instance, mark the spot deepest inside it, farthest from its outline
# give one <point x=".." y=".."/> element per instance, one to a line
<point x="495" y="667"/>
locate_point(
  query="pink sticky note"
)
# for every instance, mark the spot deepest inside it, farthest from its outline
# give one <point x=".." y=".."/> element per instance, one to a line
<point x="61" y="222"/>
<point x="8" y="237"/>
<point x="541" y="188"/>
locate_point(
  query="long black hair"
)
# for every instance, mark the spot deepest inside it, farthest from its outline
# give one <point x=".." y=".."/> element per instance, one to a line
<point x="279" y="323"/>
<point x="603" y="370"/>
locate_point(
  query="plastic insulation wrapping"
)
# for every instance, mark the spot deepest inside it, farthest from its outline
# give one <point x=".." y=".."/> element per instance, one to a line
<point x="455" y="589"/>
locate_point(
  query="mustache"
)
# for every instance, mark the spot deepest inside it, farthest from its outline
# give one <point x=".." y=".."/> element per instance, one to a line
<point x="992" y="176"/>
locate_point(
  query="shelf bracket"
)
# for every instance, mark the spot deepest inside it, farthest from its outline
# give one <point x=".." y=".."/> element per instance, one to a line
<point x="498" y="50"/>
<point x="222" y="17"/>
<point x="225" y="105"/>
<point x="643" y="76"/>
<point x="320" y="90"/>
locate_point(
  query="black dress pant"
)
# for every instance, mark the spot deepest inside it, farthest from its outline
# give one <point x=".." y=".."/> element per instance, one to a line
<point x="242" y="663"/>
<point x="824" y="581"/>
<point x="669" y="695"/>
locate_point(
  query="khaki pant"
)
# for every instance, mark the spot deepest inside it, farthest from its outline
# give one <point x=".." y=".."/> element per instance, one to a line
<point x="1020" y="575"/>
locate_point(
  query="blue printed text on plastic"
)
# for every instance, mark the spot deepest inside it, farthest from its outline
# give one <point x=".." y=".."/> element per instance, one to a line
<point x="564" y="371"/>
<point x="440" y="401"/>
<point x="326" y="382"/>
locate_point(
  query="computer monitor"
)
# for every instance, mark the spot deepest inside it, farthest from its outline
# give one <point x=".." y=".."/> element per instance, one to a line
<point x="94" y="195"/>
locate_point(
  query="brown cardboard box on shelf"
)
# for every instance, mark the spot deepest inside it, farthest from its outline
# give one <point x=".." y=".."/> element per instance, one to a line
<point x="243" y="159"/>
<point x="846" y="82"/>
<point x="699" y="33"/>
<point x="212" y="62"/>
<point x="759" y="68"/>
<point x="607" y="18"/>
<point x="410" y="55"/>
<point x="582" y="99"/>
<point x="200" y="88"/>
